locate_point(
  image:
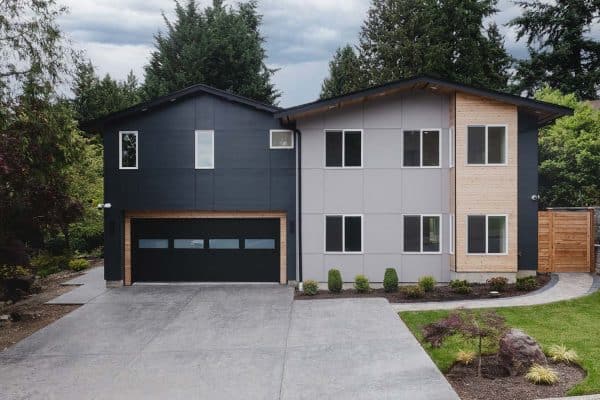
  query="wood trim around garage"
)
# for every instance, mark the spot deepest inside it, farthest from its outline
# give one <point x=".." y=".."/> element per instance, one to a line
<point x="129" y="215"/>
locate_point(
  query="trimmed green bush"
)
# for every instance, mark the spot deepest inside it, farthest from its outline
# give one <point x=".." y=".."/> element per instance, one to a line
<point x="460" y="286"/>
<point x="497" y="283"/>
<point x="361" y="284"/>
<point x="310" y="287"/>
<point x="427" y="283"/>
<point x="13" y="271"/>
<point x="527" y="283"/>
<point x="79" y="264"/>
<point x="390" y="280"/>
<point x="334" y="280"/>
<point x="46" y="264"/>
<point x="413" y="291"/>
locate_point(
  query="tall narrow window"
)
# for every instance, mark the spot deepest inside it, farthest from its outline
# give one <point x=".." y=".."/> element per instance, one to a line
<point x="476" y="228"/>
<point x="343" y="233"/>
<point x="343" y="148"/>
<point x="431" y="148"/>
<point x="352" y="149"/>
<point x="412" y="148"/>
<point x="487" y="234"/>
<point x="496" y="149"/>
<point x="486" y="145"/>
<point x="333" y="148"/>
<point x="205" y="150"/>
<point x="476" y="145"/>
<point x="422" y="233"/>
<point x="128" y="150"/>
<point x="421" y="148"/>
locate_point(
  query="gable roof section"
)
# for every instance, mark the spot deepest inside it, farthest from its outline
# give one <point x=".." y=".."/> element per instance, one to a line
<point x="178" y="95"/>
<point x="544" y="112"/>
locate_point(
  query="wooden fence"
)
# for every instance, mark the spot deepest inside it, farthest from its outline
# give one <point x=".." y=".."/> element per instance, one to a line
<point x="566" y="241"/>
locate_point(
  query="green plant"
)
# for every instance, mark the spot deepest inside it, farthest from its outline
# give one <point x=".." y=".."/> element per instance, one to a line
<point x="390" y="280"/>
<point x="497" y="283"/>
<point x="465" y="357"/>
<point x="79" y="264"/>
<point x="413" y="291"/>
<point x="334" y="280"/>
<point x="460" y="286"/>
<point x="560" y="353"/>
<point x="310" y="287"/>
<point x="541" y="375"/>
<point x="527" y="283"/>
<point x="361" y="284"/>
<point x="427" y="283"/>
<point x="47" y="261"/>
<point x="13" y="271"/>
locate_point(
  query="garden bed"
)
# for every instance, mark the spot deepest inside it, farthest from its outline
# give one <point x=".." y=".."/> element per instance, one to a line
<point x="440" y="293"/>
<point x="496" y="384"/>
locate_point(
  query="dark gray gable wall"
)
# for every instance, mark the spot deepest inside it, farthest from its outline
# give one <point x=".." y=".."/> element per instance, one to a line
<point x="248" y="176"/>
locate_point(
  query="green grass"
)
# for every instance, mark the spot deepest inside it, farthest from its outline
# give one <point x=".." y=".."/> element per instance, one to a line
<point x="574" y="323"/>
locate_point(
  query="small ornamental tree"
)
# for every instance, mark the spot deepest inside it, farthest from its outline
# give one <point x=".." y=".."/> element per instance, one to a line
<point x="471" y="325"/>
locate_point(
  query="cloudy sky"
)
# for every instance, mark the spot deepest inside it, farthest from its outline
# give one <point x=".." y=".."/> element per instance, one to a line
<point x="301" y="36"/>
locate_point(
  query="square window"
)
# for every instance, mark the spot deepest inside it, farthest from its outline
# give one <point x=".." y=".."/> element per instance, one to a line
<point x="343" y="233"/>
<point x="486" y="234"/>
<point x="343" y="148"/>
<point x="205" y="149"/>
<point x="421" y="148"/>
<point x="281" y="139"/>
<point x="128" y="150"/>
<point x="422" y="233"/>
<point x="486" y="145"/>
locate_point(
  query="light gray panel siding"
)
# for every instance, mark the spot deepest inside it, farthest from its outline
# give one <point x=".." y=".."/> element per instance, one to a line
<point x="382" y="191"/>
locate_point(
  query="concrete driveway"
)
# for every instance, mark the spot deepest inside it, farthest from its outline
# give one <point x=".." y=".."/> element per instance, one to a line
<point x="221" y="342"/>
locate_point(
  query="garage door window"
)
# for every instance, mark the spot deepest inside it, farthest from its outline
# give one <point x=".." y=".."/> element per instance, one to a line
<point x="153" y="244"/>
<point x="188" y="243"/>
<point x="224" y="244"/>
<point x="267" y="244"/>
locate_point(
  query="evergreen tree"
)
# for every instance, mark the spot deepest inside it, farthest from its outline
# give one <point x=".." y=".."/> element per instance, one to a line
<point x="561" y="52"/>
<point x="219" y="46"/>
<point x="345" y="75"/>
<point x="445" y="38"/>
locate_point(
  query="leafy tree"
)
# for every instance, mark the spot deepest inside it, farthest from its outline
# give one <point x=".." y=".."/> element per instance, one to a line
<point x="95" y="97"/>
<point x="345" y="75"/>
<point x="561" y="52"/>
<point x="445" y="38"/>
<point x="219" y="46"/>
<point x="570" y="154"/>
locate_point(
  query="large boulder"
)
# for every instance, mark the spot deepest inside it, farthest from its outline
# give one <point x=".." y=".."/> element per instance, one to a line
<point x="519" y="351"/>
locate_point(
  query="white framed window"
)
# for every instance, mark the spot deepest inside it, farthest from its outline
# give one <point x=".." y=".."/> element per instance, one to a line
<point x="487" y="144"/>
<point x="450" y="147"/>
<point x="343" y="233"/>
<point x="204" y="149"/>
<point x="421" y="148"/>
<point x="451" y="234"/>
<point x="487" y="234"/>
<point x="422" y="233"/>
<point x="344" y="148"/>
<point x="128" y="150"/>
<point x="281" y="139"/>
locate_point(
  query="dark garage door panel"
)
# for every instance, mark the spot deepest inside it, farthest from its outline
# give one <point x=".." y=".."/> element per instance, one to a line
<point x="205" y="264"/>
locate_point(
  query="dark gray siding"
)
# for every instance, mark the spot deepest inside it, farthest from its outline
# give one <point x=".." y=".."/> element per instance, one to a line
<point x="248" y="176"/>
<point x="527" y="186"/>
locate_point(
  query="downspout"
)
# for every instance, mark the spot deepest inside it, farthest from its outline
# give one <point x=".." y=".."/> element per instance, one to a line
<point x="299" y="201"/>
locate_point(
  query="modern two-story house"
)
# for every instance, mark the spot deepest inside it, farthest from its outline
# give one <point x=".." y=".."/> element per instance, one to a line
<point x="424" y="175"/>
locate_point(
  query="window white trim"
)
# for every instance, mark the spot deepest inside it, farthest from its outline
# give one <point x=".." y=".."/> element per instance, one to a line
<point x="439" y="164"/>
<point x="421" y="233"/>
<point x="362" y="233"/>
<point x="362" y="148"/>
<point x="280" y="147"/>
<point x="485" y="138"/>
<point x="212" y="141"/>
<point x="487" y="253"/>
<point x="450" y="148"/>
<point x="451" y="234"/>
<point x="121" y="133"/>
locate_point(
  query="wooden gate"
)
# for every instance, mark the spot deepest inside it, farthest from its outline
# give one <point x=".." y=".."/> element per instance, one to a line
<point x="565" y="241"/>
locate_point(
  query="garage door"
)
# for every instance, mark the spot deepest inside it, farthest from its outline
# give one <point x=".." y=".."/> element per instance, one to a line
<point x="200" y="250"/>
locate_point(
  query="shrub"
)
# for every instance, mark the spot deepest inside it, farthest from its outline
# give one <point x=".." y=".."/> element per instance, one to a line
<point x="413" y="291"/>
<point x="465" y="357"/>
<point x="541" y="375"/>
<point x="390" y="280"/>
<point x="460" y="287"/>
<point x="497" y="283"/>
<point x="427" y="283"/>
<point x="527" y="283"/>
<point x="47" y="261"/>
<point x="56" y="246"/>
<point x="361" y="284"/>
<point x="560" y="353"/>
<point x="310" y="287"/>
<point x="334" y="281"/>
<point x="79" y="264"/>
<point x="13" y="271"/>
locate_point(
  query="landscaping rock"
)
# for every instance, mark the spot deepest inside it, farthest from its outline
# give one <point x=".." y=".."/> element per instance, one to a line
<point x="519" y="351"/>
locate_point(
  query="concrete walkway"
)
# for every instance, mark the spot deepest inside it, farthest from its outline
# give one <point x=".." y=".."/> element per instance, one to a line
<point x="89" y="286"/>
<point x="567" y="286"/>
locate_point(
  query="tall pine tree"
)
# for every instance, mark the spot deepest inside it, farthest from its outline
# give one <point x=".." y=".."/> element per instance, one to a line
<point x="561" y="52"/>
<point x="445" y="38"/>
<point x="345" y="75"/>
<point x="219" y="46"/>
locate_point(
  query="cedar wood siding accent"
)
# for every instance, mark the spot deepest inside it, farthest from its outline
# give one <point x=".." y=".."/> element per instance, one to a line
<point x="485" y="189"/>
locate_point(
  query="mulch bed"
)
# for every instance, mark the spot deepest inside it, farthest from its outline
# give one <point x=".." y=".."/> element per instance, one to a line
<point x="441" y="293"/>
<point x="496" y="384"/>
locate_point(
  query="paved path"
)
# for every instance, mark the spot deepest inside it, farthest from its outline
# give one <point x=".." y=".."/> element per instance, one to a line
<point x="221" y="342"/>
<point x="567" y="286"/>
<point x="89" y="286"/>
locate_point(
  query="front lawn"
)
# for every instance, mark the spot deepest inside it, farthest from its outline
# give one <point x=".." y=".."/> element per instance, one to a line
<point x="574" y="323"/>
